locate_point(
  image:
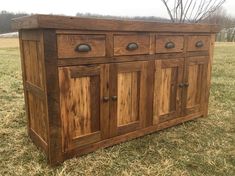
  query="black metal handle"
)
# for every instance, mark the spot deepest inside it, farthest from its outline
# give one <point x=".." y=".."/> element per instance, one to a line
<point x="83" y="48"/>
<point x="114" y="98"/>
<point x="132" y="46"/>
<point x="199" y="44"/>
<point x="186" y="84"/>
<point x="169" y="45"/>
<point x="105" y="99"/>
<point x="181" y="85"/>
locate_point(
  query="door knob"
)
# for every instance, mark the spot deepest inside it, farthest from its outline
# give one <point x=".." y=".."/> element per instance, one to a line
<point x="105" y="99"/>
<point x="181" y="85"/>
<point x="114" y="98"/>
<point x="186" y="84"/>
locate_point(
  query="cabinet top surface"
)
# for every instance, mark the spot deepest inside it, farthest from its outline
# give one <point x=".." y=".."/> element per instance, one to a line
<point x="80" y="23"/>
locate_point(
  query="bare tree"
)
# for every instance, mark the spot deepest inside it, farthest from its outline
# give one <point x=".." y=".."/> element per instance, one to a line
<point x="194" y="11"/>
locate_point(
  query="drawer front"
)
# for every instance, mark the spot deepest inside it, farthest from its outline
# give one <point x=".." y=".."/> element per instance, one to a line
<point x="198" y="43"/>
<point x="169" y="43"/>
<point x="131" y="44"/>
<point x="71" y="46"/>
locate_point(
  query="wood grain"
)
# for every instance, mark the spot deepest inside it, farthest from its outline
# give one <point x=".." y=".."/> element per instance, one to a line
<point x="80" y="104"/>
<point x="121" y="42"/>
<point x="33" y="63"/>
<point x="38" y="116"/>
<point x="196" y="72"/>
<point x="192" y="40"/>
<point x="79" y="23"/>
<point x="209" y="71"/>
<point x="127" y="106"/>
<point x="67" y="45"/>
<point x="128" y="136"/>
<point x="49" y="52"/>
<point x="162" y="40"/>
<point x="130" y="82"/>
<point x="167" y="94"/>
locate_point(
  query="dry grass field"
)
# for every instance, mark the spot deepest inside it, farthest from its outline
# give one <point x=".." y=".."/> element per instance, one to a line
<point x="205" y="146"/>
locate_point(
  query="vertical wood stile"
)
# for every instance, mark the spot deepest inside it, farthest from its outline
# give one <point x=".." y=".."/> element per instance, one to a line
<point x="53" y="99"/>
<point x="209" y="71"/>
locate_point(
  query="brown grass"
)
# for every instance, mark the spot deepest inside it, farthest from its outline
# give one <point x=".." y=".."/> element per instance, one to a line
<point x="204" y="146"/>
<point x="9" y="42"/>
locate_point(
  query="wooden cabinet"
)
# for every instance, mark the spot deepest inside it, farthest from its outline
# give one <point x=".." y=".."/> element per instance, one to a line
<point x="92" y="83"/>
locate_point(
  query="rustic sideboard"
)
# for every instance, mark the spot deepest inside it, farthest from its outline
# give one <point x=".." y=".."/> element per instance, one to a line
<point x="92" y="83"/>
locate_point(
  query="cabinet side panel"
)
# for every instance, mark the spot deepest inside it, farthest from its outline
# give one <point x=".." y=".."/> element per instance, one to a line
<point x="34" y="86"/>
<point x="209" y="70"/>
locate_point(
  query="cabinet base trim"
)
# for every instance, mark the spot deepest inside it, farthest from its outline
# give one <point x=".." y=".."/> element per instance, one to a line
<point x="132" y="135"/>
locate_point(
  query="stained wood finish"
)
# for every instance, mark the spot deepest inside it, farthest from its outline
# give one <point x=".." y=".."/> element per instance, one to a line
<point x="192" y="41"/>
<point x="167" y="93"/>
<point x="80" y="99"/>
<point x="127" y="84"/>
<point x="209" y="72"/>
<point x="79" y="23"/>
<point x="67" y="45"/>
<point x="128" y="136"/>
<point x="34" y="87"/>
<point x="196" y="72"/>
<point x="33" y="63"/>
<point x="38" y="116"/>
<point x="49" y="51"/>
<point x="162" y="40"/>
<point x="121" y="43"/>
<point x="77" y="102"/>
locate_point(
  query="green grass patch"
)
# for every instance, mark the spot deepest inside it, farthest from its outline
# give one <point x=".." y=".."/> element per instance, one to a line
<point x="204" y="146"/>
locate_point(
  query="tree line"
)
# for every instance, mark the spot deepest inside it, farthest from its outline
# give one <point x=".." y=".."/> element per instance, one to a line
<point x="5" y="21"/>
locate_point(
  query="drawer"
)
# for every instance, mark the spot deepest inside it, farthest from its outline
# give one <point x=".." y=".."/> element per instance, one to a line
<point x="198" y="43"/>
<point x="169" y="43"/>
<point x="71" y="46"/>
<point x="131" y="44"/>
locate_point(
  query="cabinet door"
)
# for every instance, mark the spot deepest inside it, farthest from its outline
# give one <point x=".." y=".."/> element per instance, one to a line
<point x="168" y="79"/>
<point x="84" y="113"/>
<point x="195" y="84"/>
<point x="128" y="100"/>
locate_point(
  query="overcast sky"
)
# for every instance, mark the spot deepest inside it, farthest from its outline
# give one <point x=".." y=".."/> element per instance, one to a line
<point x="104" y="7"/>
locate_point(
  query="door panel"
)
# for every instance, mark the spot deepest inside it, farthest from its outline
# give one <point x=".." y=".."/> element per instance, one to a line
<point x="195" y="78"/>
<point x="128" y="83"/>
<point x="81" y="89"/>
<point x="167" y="93"/>
<point x="128" y="93"/>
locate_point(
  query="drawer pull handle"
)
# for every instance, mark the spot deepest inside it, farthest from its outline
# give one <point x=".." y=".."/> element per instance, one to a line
<point x="169" y="45"/>
<point x="83" y="48"/>
<point x="199" y="44"/>
<point x="132" y="46"/>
